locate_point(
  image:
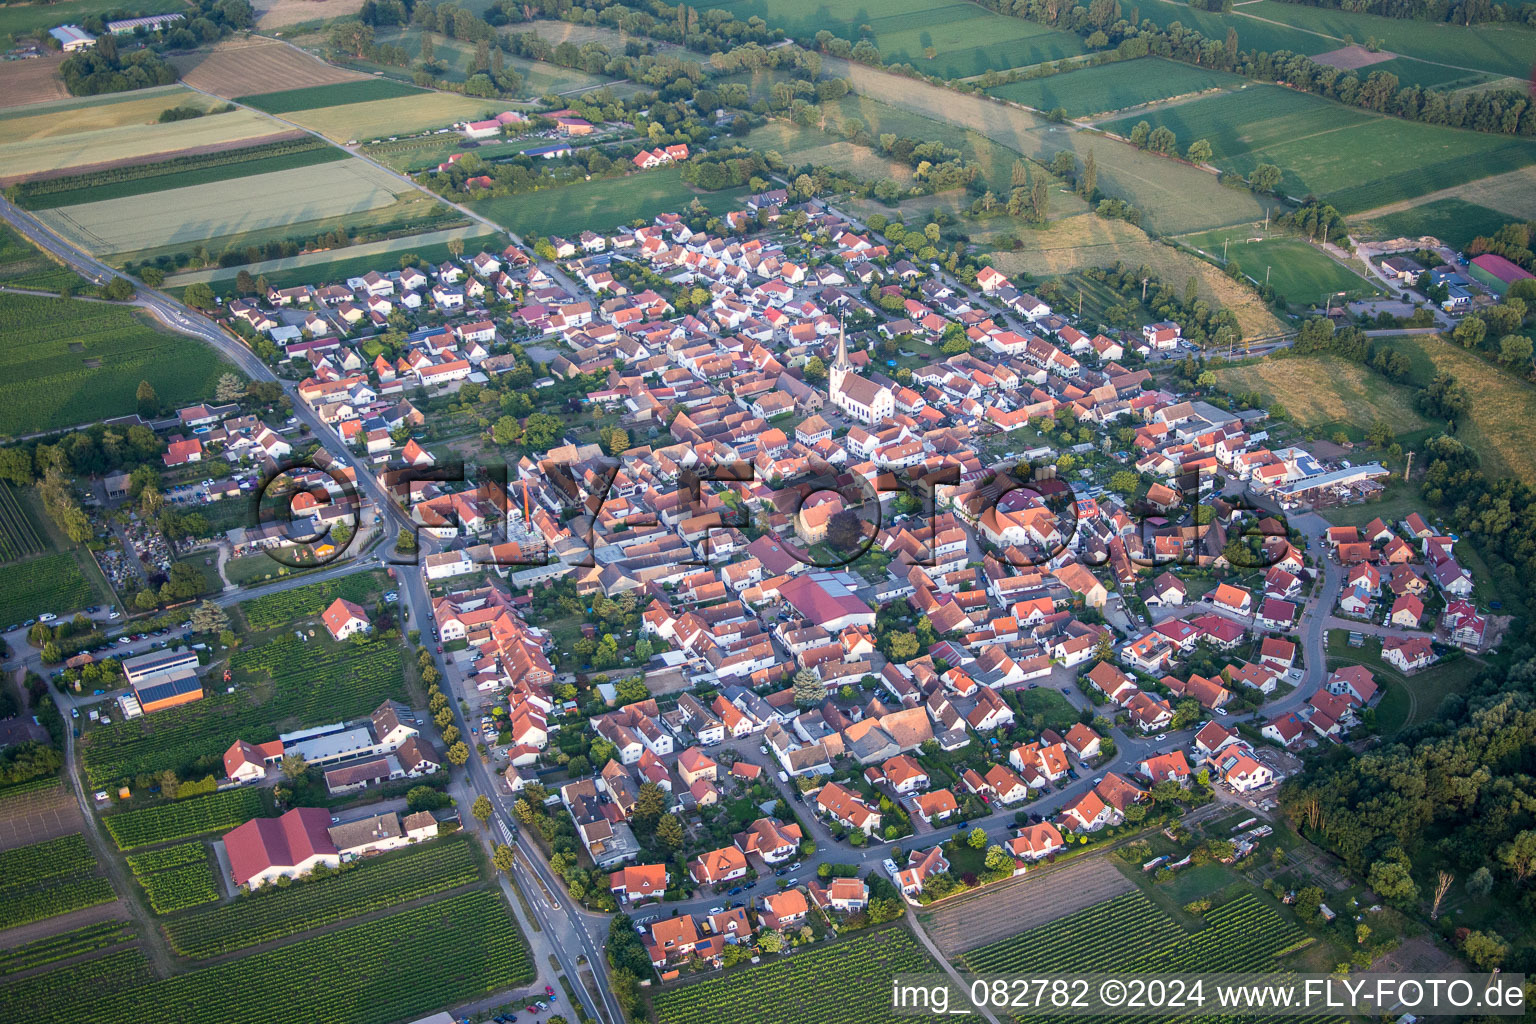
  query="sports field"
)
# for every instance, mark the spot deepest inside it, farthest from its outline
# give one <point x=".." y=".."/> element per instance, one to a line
<point x="70" y="361"/>
<point x="1110" y="87"/>
<point x="1454" y="221"/>
<point x="1327" y="394"/>
<point x="247" y="66"/>
<point x="199" y="213"/>
<point x="1299" y="271"/>
<point x="403" y="116"/>
<point x="1172" y="197"/>
<point x="53" y="151"/>
<point x="1354" y="159"/>
<point x="966" y="39"/>
<point x="34" y="19"/>
<point x="602" y="204"/>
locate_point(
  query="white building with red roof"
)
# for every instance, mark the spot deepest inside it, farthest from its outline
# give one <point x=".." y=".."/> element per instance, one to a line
<point x="263" y="849"/>
<point x="343" y="618"/>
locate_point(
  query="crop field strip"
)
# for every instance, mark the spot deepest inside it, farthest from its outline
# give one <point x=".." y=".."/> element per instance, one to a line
<point x="1355" y="159"/>
<point x="397" y="967"/>
<point x="53" y="948"/>
<point x="540" y="78"/>
<point x="19" y="535"/>
<point x="1131" y="934"/>
<point x="70" y="362"/>
<point x="306" y="683"/>
<point x="200" y="213"/>
<point x="374" y="884"/>
<point x="286" y="606"/>
<point x="176" y="877"/>
<point x="179" y="172"/>
<point x="52" y="581"/>
<point x="289" y="101"/>
<point x="238" y="67"/>
<point x="1454" y="221"/>
<point x="847" y="982"/>
<point x="1109" y="87"/>
<point x="23" y="265"/>
<point x="48" y="879"/>
<point x="183" y="819"/>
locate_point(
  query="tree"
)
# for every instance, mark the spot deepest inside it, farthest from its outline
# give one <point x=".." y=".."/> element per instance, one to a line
<point x="618" y="441"/>
<point x="770" y="942"/>
<point x="503" y="858"/>
<point x="1125" y="482"/>
<point x="1481" y="882"/>
<point x="1392" y="882"/>
<point x="229" y="388"/>
<point x="815" y="370"/>
<point x="198" y="295"/>
<point x="1162" y="140"/>
<point x="458" y="754"/>
<point x="209" y="617"/>
<point x="294" y="766"/>
<point x="481" y="808"/>
<point x="119" y="289"/>
<point x="1470" y="332"/>
<point x="977" y="839"/>
<point x="1089" y="183"/>
<point x="1514" y="350"/>
<point x="669" y="831"/>
<point x="1199" y="151"/>
<point x="149" y="402"/>
<point x="1518" y="856"/>
<point x="1485" y="950"/>
<point x="1362" y="933"/>
<point x="1140" y="133"/>
<point x="809" y="690"/>
<point x="998" y="859"/>
<point x="901" y="647"/>
<point x="1264" y="178"/>
<point x="1442" y="886"/>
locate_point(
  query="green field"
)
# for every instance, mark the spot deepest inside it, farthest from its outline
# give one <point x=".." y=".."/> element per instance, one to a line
<point x="23" y="265"/>
<point x="280" y="684"/>
<point x="374" y="119"/>
<point x="198" y="170"/>
<point x="1353" y="159"/>
<point x="1454" y="221"/>
<point x="601" y="205"/>
<point x="75" y="942"/>
<point x="848" y="982"/>
<point x="183" y="819"/>
<point x="539" y="77"/>
<point x="47" y="879"/>
<point x="290" y="606"/>
<point x="20" y="535"/>
<point x="289" y="100"/>
<point x="381" y="256"/>
<point x="272" y="913"/>
<point x="1110" y="87"/>
<point x="69" y="361"/>
<point x="966" y="39"/>
<point x="35" y="19"/>
<point x="1301" y="272"/>
<point x="811" y="145"/>
<point x="399" y="967"/>
<point x="48" y="583"/>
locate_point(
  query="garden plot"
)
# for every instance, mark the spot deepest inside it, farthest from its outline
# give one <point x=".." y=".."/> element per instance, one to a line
<point x="200" y="212"/>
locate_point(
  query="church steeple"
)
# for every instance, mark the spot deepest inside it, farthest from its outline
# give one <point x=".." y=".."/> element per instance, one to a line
<point x="840" y="367"/>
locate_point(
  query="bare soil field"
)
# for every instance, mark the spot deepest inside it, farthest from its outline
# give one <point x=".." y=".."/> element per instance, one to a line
<point x="1007" y="908"/>
<point x="33" y="817"/>
<point x="272" y="14"/>
<point x="1087" y="240"/>
<point x="251" y="66"/>
<point x="1352" y="58"/>
<point x="31" y="81"/>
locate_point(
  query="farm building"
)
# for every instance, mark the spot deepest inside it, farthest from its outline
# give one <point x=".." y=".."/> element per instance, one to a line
<point x="151" y="23"/>
<point x="1496" y="273"/>
<point x="72" y="38"/>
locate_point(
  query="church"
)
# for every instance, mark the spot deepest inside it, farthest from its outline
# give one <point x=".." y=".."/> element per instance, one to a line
<point x="855" y="397"/>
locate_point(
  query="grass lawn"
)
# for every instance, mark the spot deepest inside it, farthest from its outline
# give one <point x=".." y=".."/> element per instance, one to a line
<point x="602" y="204"/>
<point x="1326" y="394"/>
<point x="1398" y="500"/>
<point x="1110" y="87"/>
<point x="1405" y="700"/>
<point x="1301" y="272"/>
<point x="1058" y="711"/>
<point x="1454" y="221"/>
<point x="71" y="361"/>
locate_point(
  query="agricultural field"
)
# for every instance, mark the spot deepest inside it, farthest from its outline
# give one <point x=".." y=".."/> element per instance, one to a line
<point x="48" y="879"/>
<point x="23" y="265"/>
<point x="176" y="877"/>
<point x="353" y="90"/>
<point x="353" y="261"/>
<point x="71" y="361"/>
<point x="950" y="40"/>
<point x="375" y="884"/>
<point x="1453" y="221"/>
<point x="22" y="21"/>
<point x="539" y="77"/>
<point x="178" y="172"/>
<point x="75" y="942"/>
<point x="995" y="912"/>
<point x="1173" y="197"/>
<point x="31" y="81"/>
<point x="1511" y="195"/>
<point x="556" y="32"/>
<point x="1301" y="272"/>
<point x="273" y="14"/>
<point x="255" y="65"/>
<point x="844" y="982"/>
<point x="1131" y="933"/>
<point x="19" y="535"/>
<point x="183" y="819"/>
<point x="1353" y="159"/>
<point x="39" y="139"/>
<point x="280" y="684"/>
<point x="1110" y="87"/>
<point x="1085" y="240"/>
<point x="1501" y="425"/>
<point x="397" y="967"/>
<point x="601" y="204"/>
<point x="202" y="213"/>
<point x="1326" y="394"/>
<point x="809" y="145"/>
<point x="46" y="583"/>
<point x="287" y="607"/>
<point x="401" y="115"/>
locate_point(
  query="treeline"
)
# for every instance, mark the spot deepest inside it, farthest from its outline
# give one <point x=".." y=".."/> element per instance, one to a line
<point x="703" y="31"/>
<point x="1199" y="321"/>
<point x="1513" y="242"/>
<point x="101" y="69"/>
<point x="1506" y="111"/>
<point x="190" y="113"/>
<point x="724" y="168"/>
<point x="1461" y="12"/>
